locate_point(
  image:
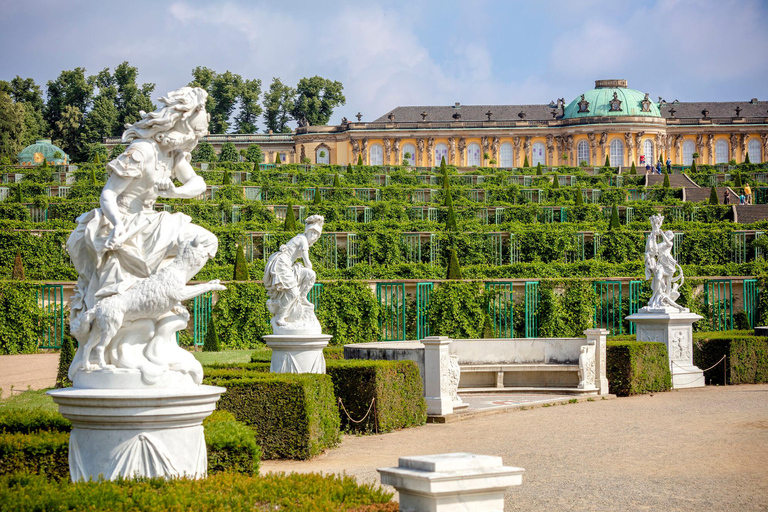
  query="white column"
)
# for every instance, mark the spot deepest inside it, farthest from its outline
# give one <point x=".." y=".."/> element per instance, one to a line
<point x="598" y="336"/>
<point x="436" y="360"/>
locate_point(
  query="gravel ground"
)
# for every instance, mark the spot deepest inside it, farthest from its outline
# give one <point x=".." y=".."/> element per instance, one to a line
<point x="700" y="449"/>
<point x="27" y="371"/>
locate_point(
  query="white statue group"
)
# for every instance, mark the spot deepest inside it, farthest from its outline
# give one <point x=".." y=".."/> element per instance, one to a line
<point x="661" y="267"/>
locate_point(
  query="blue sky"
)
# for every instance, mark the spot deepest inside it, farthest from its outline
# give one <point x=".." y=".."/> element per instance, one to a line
<point x="407" y="53"/>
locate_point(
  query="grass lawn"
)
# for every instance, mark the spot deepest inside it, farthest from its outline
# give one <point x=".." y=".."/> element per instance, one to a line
<point x="228" y="356"/>
<point x="32" y="399"/>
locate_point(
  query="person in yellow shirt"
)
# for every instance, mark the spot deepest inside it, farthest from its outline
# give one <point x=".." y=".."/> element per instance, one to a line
<point x="748" y="193"/>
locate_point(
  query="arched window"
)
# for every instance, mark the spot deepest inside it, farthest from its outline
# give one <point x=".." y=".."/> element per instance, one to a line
<point x="721" y="152"/>
<point x="322" y="155"/>
<point x="505" y="155"/>
<point x="688" y="149"/>
<point x="538" y="154"/>
<point x="582" y="152"/>
<point x="409" y="154"/>
<point x="377" y="155"/>
<point x="473" y="155"/>
<point x="617" y="153"/>
<point x="441" y="151"/>
<point x="755" y="151"/>
<point x="648" y="152"/>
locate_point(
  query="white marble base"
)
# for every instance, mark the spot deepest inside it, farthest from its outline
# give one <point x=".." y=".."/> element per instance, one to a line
<point x="451" y="482"/>
<point x="674" y="328"/>
<point x="129" y="432"/>
<point x="297" y="353"/>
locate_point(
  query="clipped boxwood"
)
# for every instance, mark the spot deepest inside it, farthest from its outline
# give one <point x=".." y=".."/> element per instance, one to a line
<point x="45" y="453"/>
<point x="231" y="445"/>
<point x="221" y="492"/>
<point x="636" y="367"/>
<point x="746" y="357"/>
<point x="295" y="416"/>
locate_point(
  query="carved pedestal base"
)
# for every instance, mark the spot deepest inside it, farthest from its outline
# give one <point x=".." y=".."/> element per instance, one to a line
<point x="300" y="353"/>
<point x="137" y="432"/>
<point x="675" y="330"/>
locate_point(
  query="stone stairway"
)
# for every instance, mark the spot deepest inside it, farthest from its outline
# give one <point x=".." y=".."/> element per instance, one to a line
<point x="675" y="180"/>
<point x="748" y="213"/>
<point x="699" y="194"/>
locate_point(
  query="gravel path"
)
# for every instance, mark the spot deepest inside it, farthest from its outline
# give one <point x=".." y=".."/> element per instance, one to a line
<point x="698" y="449"/>
<point x="25" y="371"/>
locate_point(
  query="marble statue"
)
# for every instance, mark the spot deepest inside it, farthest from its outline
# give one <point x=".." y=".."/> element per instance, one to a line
<point x="661" y="267"/>
<point x="134" y="262"/>
<point x="587" y="367"/>
<point x="288" y="283"/>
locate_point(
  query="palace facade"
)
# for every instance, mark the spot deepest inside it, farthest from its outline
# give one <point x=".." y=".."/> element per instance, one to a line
<point x="611" y="120"/>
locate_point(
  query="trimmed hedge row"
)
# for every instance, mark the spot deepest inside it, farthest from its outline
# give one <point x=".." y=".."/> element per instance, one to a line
<point x="45" y="453"/>
<point x="221" y="492"/>
<point x="635" y="367"/>
<point x="746" y="357"/>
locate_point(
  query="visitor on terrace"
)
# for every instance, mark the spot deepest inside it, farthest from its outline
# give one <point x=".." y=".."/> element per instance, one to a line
<point x="726" y="197"/>
<point x="669" y="166"/>
<point x="748" y="193"/>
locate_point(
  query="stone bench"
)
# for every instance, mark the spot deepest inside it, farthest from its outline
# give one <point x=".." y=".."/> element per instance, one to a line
<point x="553" y="376"/>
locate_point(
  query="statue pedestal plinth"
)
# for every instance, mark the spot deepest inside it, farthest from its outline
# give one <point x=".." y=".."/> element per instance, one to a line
<point x="674" y="328"/>
<point x="149" y="432"/>
<point x="297" y="353"/>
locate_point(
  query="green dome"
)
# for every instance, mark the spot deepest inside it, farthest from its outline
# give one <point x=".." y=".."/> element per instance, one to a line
<point x="602" y="101"/>
<point x="34" y="154"/>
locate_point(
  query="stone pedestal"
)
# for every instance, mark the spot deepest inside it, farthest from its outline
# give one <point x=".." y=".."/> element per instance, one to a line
<point x="437" y="380"/>
<point x="297" y="353"/>
<point x="674" y="328"/>
<point x="451" y="482"/>
<point x="150" y="432"/>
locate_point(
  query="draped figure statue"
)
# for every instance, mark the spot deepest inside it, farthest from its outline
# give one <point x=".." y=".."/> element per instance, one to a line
<point x="661" y="268"/>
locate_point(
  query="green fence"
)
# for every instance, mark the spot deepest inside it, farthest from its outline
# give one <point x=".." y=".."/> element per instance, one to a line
<point x="718" y="297"/>
<point x="423" y="292"/>
<point x="608" y="313"/>
<point x="314" y="294"/>
<point x="634" y="301"/>
<point x="501" y="309"/>
<point x="750" y="294"/>
<point x="532" y="309"/>
<point x="353" y="250"/>
<point x="201" y="317"/>
<point x="391" y="297"/>
<point x="50" y="297"/>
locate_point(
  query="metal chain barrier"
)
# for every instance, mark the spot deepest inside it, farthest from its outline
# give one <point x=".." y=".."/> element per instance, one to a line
<point x="371" y="407"/>
<point x="725" y="381"/>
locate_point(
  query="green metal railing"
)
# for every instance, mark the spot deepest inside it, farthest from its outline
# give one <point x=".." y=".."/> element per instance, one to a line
<point x="201" y="317"/>
<point x="501" y="309"/>
<point x="738" y="247"/>
<point x="608" y="314"/>
<point x="327" y="250"/>
<point x="391" y="297"/>
<point x="495" y="247"/>
<point x="499" y="215"/>
<point x="532" y="309"/>
<point x="50" y="298"/>
<point x="546" y="215"/>
<point x="314" y="294"/>
<point x="718" y="297"/>
<point x="750" y="293"/>
<point x="635" y="287"/>
<point x="423" y="292"/>
<point x="758" y="250"/>
<point x="435" y="253"/>
<point x="412" y="244"/>
<point x="353" y="250"/>
<point x="577" y="254"/>
<point x="677" y="242"/>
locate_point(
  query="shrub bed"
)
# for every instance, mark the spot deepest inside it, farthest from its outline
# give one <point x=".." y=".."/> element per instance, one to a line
<point x="45" y="453"/>
<point x="635" y="367"/>
<point x="746" y="357"/>
<point x="222" y="492"/>
<point x="231" y="445"/>
<point x="295" y="416"/>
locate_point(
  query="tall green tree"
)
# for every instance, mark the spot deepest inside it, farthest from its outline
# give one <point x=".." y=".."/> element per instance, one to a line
<point x="204" y="152"/>
<point x="228" y="153"/>
<point x="69" y="130"/>
<point x="249" y="110"/>
<point x="70" y="92"/>
<point x="103" y="119"/>
<point x="454" y="270"/>
<point x="290" y="219"/>
<point x="25" y="92"/>
<point x="713" y="199"/>
<point x="316" y="97"/>
<point x="254" y="154"/>
<point x="131" y="98"/>
<point x="615" y="223"/>
<point x="241" y="268"/>
<point x="11" y="127"/>
<point x="450" y="219"/>
<point x="224" y="90"/>
<point x="278" y="104"/>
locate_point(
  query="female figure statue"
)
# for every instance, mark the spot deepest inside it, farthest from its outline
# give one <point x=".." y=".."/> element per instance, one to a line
<point x="288" y="283"/>
<point x="126" y="240"/>
<point x="660" y="267"/>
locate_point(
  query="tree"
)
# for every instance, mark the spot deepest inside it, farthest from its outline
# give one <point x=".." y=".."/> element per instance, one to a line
<point x="11" y="127"/>
<point x="666" y="180"/>
<point x="241" y="268"/>
<point x="556" y="183"/>
<point x="277" y="159"/>
<point x="228" y="153"/>
<point x="349" y="168"/>
<point x="737" y="180"/>
<point x="97" y="153"/>
<point x="318" y="199"/>
<point x="614" y="224"/>
<point x="204" y="152"/>
<point x="633" y="169"/>
<point x="224" y="89"/>
<point x="360" y="159"/>
<point x="131" y="99"/>
<point x="278" y="104"/>
<point x="607" y="161"/>
<point x="69" y="92"/>
<point x="539" y="172"/>
<point x="25" y="92"/>
<point x="713" y="199"/>
<point x="336" y="182"/>
<point x="254" y="154"/>
<point x="250" y="110"/>
<point x="407" y="158"/>
<point x="454" y="270"/>
<point x="693" y="166"/>
<point x="212" y="342"/>
<point x="444" y="174"/>
<point x="66" y="355"/>
<point x="102" y="119"/>
<point x="290" y="219"/>
<point x="746" y="158"/>
<point x="18" y="267"/>
<point x="486" y="156"/>
<point x="117" y="150"/>
<point x="69" y="130"/>
<point x="578" y="199"/>
<point x="525" y="162"/>
<point x="227" y="180"/>
<point x="316" y="98"/>
<point x="450" y="219"/>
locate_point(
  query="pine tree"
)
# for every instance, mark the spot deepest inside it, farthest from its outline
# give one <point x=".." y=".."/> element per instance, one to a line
<point x="713" y="199"/>
<point x="18" y="267"/>
<point x="336" y="182"/>
<point x="227" y="178"/>
<point x="290" y="219"/>
<point x="556" y="183"/>
<point x="318" y="197"/>
<point x="360" y="159"/>
<point x="633" y="169"/>
<point x="746" y="158"/>
<point x="349" y="168"/>
<point x="525" y="162"/>
<point x="538" y="169"/>
<point x="443" y="166"/>
<point x="607" y="161"/>
<point x="211" y="343"/>
<point x="444" y="173"/>
<point x="241" y="268"/>
<point x="666" y="180"/>
<point x="578" y="199"/>
<point x="615" y="224"/>
<point x="450" y="219"/>
<point x="454" y="270"/>
<point x="277" y="160"/>
<point x="66" y="354"/>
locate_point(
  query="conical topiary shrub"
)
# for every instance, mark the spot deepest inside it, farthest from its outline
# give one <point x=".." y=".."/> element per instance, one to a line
<point x="227" y="179"/>
<point x="525" y="162"/>
<point x="746" y="158"/>
<point x="538" y="169"/>
<point x="607" y="161"/>
<point x="241" y="268"/>
<point x="211" y="343"/>
<point x="318" y="196"/>
<point x="578" y="198"/>
<point x="66" y="354"/>
<point x="443" y="166"/>
<point x="713" y="199"/>
<point x="19" y="193"/>
<point x="277" y="160"/>
<point x="615" y="224"/>
<point x="454" y="270"/>
<point x="360" y="159"/>
<point x="290" y="219"/>
<point x="693" y="167"/>
<point x="737" y="180"/>
<point x="336" y="181"/>
<point x="633" y="169"/>
<point x="349" y="168"/>
<point x="556" y="182"/>
<point x="18" y="267"/>
<point x="666" y="180"/>
<point x="450" y="219"/>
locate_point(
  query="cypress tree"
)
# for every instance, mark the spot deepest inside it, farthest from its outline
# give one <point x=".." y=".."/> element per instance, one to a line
<point x="349" y="168"/>
<point x="241" y="268"/>
<point x="336" y="182"/>
<point x="277" y="159"/>
<point x="93" y="176"/>
<point x="360" y="159"/>
<point x="633" y="169"/>
<point x="290" y="219"/>
<point x="713" y="199"/>
<point x="450" y="220"/>
<point x="445" y="177"/>
<point x="19" y="194"/>
<point x="211" y="343"/>
<point x="318" y="197"/>
<point x="578" y="199"/>
<point x="525" y="162"/>
<point x="256" y="167"/>
<point x="556" y="183"/>
<point x="67" y="353"/>
<point x="615" y="224"/>
<point x="443" y="166"/>
<point x="666" y="180"/>
<point x="227" y="178"/>
<point x="538" y="169"/>
<point x="693" y="166"/>
<point x="18" y="267"/>
<point x="454" y="270"/>
<point x="746" y="158"/>
<point x="737" y="181"/>
<point x="607" y="161"/>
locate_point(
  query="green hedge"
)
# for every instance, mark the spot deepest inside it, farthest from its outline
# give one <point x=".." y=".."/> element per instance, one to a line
<point x="45" y="453"/>
<point x="231" y="445"/>
<point x="635" y="367"/>
<point x="349" y="311"/>
<point x="218" y="493"/>
<point x="295" y="416"/>
<point x="19" y="318"/>
<point x="746" y="357"/>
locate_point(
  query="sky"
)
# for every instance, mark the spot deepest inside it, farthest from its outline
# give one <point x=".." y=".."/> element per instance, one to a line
<point x="391" y="53"/>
